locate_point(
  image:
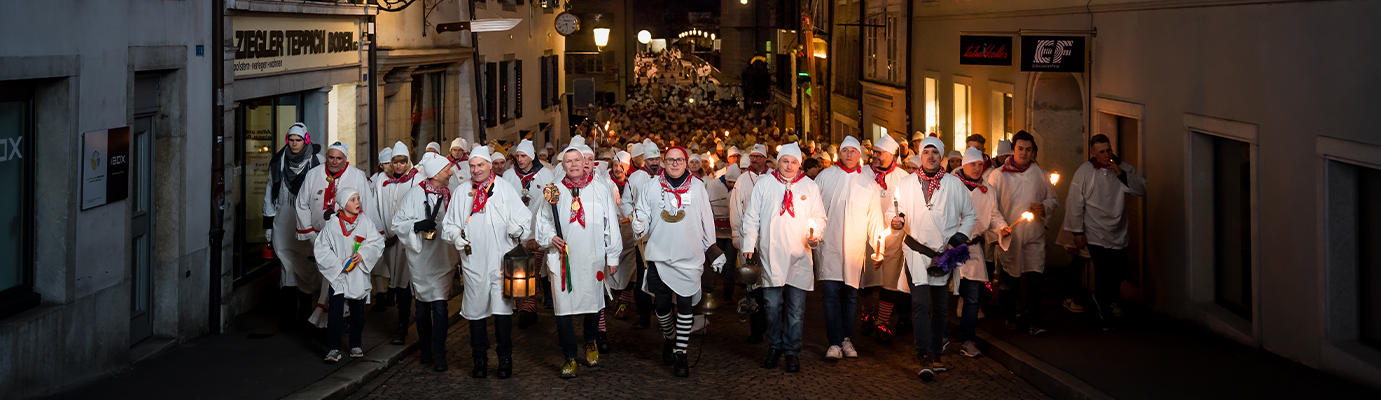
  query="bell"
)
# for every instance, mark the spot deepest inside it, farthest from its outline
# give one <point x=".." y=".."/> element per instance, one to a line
<point x="710" y="304"/>
<point x="429" y="235"/>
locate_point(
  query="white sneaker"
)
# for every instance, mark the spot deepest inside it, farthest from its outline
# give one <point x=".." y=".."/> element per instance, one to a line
<point x="356" y="352"/>
<point x="970" y="349"/>
<point x="333" y="356"/>
<point x="1073" y="306"/>
<point x="834" y="353"/>
<point x="848" y="347"/>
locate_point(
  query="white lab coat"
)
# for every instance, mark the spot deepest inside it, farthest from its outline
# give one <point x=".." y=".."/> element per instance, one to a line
<point x="889" y="275"/>
<point x="294" y="253"/>
<point x="677" y="249"/>
<point x="989" y="225"/>
<point x="491" y="233"/>
<point x="1097" y="204"/>
<point x="779" y="239"/>
<point x="950" y="211"/>
<point x="534" y="190"/>
<point x="718" y="189"/>
<point x="591" y="248"/>
<point x="628" y="199"/>
<point x="394" y="262"/>
<point x="430" y="263"/>
<point x="738" y="203"/>
<point x="855" y="217"/>
<point x="334" y="246"/>
<point x="312" y="202"/>
<point x="1015" y="193"/>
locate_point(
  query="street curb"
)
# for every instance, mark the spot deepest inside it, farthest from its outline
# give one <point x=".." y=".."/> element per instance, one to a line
<point x="1053" y="381"/>
<point x="349" y="378"/>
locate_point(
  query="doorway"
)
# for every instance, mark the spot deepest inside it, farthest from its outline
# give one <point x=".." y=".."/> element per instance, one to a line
<point x="141" y="208"/>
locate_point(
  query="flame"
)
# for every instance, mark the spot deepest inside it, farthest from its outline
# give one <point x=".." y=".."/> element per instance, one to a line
<point x="1027" y="216"/>
<point x="834" y="157"/>
<point x="1054" y="178"/>
<point x="812" y="224"/>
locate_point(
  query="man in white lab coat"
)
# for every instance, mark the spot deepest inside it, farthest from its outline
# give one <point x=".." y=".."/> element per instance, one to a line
<point x="287" y="172"/>
<point x="738" y="202"/>
<point x="529" y="177"/>
<point x="389" y="191"/>
<point x="1022" y="186"/>
<point x="590" y="244"/>
<point x="938" y="216"/>
<point x="719" y="186"/>
<point x="886" y="279"/>
<point x="484" y="222"/>
<point x="1097" y="217"/>
<point x="783" y="220"/>
<point x="652" y="167"/>
<point x="416" y="224"/>
<point x="673" y="213"/>
<point x="990" y="228"/>
<point x="855" y="215"/>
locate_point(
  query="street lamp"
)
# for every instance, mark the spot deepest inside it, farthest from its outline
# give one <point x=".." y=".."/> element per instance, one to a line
<point x="743" y="1"/>
<point x="601" y="37"/>
<point x="644" y="37"/>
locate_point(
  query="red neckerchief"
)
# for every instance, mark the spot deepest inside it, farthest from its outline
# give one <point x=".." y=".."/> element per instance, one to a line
<point x="757" y="170"/>
<point x="577" y="209"/>
<point x="343" y="220"/>
<point x="787" y="206"/>
<point x="1011" y="166"/>
<point x="405" y="178"/>
<point x="620" y="182"/>
<point x="678" y="191"/>
<point x="480" y="194"/>
<point x="881" y="174"/>
<point x="328" y="202"/>
<point x="932" y="184"/>
<point x="857" y="168"/>
<point x="528" y="177"/>
<point x="975" y="183"/>
<point x="987" y="162"/>
<point x="456" y="162"/>
<point x="443" y="191"/>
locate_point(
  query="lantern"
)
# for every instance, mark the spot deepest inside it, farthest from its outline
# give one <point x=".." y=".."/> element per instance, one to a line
<point x="520" y="272"/>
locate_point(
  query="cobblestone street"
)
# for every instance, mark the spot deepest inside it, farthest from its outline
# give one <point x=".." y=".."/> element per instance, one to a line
<point x="727" y="368"/>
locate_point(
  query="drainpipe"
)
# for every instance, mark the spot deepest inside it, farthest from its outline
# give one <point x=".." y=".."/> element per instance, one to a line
<point x="373" y="87"/>
<point x="217" y="231"/>
<point x="910" y="83"/>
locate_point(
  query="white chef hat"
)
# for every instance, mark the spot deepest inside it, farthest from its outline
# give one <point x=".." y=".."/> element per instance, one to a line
<point x="759" y="149"/>
<point x="695" y="156"/>
<point x="550" y="146"/>
<point x="585" y="150"/>
<point x="887" y="144"/>
<point x="525" y="147"/>
<point x="955" y="154"/>
<point x="577" y="140"/>
<point x="733" y="172"/>
<point x="790" y="149"/>
<point x="458" y="142"/>
<point x="400" y="149"/>
<point x="933" y="141"/>
<point x="1004" y="147"/>
<point x="733" y="151"/>
<point x="344" y="148"/>
<point x="973" y="154"/>
<point x="482" y="152"/>
<point x="850" y="141"/>
<point x="635" y="149"/>
<point x="434" y="146"/>
<point x="433" y="164"/>
<point x="650" y="149"/>
<point x="497" y="155"/>
<point x="917" y="136"/>
<point x="385" y="155"/>
<point x="624" y="157"/>
<point x="343" y="196"/>
<point x="914" y="161"/>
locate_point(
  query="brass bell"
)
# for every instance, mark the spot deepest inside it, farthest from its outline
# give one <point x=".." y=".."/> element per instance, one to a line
<point x="429" y="235"/>
<point x="710" y="304"/>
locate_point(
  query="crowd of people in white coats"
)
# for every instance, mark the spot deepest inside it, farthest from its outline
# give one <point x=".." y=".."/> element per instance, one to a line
<point x="657" y="228"/>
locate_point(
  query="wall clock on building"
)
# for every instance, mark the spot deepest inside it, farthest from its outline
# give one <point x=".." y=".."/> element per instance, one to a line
<point x="567" y="23"/>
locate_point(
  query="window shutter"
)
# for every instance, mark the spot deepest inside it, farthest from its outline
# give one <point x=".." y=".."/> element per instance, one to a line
<point x="491" y="90"/>
<point x="546" y="82"/>
<point x="503" y="92"/>
<point x="518" y="91"/>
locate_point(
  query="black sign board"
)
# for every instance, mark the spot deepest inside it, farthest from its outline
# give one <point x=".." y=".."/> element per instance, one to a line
<point x="985" y="50"/>
<point x="1052" y="53"/>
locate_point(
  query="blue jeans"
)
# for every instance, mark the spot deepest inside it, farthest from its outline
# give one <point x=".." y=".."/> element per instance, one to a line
<point x="929" y="316"/>
<point x="969" y="291"/>
<point x="431" y="330"/>
<point x="786" y="338"/>
<point x="841" y="306"/>
<point x="335" y="320"/>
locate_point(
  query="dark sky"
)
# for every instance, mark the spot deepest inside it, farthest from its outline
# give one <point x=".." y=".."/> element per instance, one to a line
<point x="666" y="18"/>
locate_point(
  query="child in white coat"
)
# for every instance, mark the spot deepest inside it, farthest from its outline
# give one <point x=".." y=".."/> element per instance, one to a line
<point x="346" y="251"/>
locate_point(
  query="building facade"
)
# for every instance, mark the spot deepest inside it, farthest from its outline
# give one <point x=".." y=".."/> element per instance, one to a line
<point x="1261" y="166"/>
<point x="105" y="158"/>
<point x="521" y="79"/>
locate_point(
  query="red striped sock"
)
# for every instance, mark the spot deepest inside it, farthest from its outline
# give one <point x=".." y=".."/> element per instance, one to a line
<point x="626" y="297"/>
<point x="601" y="321"/>
<point x="884" y="313"/>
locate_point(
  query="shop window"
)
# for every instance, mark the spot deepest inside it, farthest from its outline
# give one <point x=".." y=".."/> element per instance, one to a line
<point x="16" y="201"/>
<point x="962" y="113"/>
<point x="428" y="104"/>
<point x="932" y="105"/>
<point x="1001" y="116"/>
<point x="263" y="126"/>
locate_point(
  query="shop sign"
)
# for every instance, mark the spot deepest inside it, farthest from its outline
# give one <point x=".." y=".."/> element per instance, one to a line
<point x="104" y="166"/>
<point x="1052" y="53"/>
<point x="265" y="45"/>
<point x="985" y="50"/>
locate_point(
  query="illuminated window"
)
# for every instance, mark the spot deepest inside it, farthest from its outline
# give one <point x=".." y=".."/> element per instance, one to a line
<point x="1001" y="115"/>
<point x="932" y="105"/>
<point x="962" y="120"/>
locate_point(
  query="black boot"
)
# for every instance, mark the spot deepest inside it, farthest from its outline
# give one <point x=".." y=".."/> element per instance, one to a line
<point x="772" y="356"/>
<point x="399" y="335"/>
<point x="668" y="358"/>
<point x="505" y="367"/>
<point x="681" y="369"/>
<point x="793" y="364"/>
<point x="381" y="302"/>
<point x="481" y="369"/>
<point x="603" y="342"/>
